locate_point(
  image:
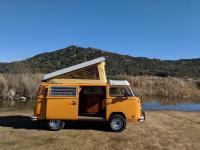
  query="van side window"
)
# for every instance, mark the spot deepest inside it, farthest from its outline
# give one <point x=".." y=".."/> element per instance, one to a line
<point x="62" y="91"/>
<point x="120" y="92"/>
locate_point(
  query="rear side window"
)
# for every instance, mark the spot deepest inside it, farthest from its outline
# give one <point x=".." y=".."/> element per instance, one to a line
<point x="62" y="91"/>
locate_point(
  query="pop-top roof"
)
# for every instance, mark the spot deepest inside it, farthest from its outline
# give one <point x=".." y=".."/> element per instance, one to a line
<point x="73" y="68"/>
<point x="119" y="82"/>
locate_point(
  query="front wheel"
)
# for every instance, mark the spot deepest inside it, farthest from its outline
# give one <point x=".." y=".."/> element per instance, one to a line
<point x="55" y="125"/>
<point x="117" y="123"/>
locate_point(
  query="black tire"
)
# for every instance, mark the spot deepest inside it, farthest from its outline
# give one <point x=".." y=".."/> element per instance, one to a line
<point x="117" y="123"/>
<point x="55" y="125"/>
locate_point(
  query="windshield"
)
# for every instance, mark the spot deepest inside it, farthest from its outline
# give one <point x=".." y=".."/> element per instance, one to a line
<point x="129" y="91"/>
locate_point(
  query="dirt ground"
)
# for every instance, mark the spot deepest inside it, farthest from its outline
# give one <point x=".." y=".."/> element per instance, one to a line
<point x="161" y="130"/>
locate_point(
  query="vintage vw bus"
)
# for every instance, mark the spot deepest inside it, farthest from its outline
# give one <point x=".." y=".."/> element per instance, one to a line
<point x="83" y="92"/>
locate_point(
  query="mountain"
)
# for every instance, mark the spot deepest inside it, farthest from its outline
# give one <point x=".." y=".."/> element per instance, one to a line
<point x="116" y="63"/>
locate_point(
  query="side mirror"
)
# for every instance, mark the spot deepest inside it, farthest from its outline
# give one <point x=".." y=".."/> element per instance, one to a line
<point x="125" y="94"/>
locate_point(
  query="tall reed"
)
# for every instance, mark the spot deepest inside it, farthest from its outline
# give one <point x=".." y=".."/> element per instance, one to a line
<point x="170" y="87"/>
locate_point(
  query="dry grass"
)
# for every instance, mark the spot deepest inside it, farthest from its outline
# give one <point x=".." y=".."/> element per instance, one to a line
<point x="144" y="86"/>
<point x="169" y="87"/>
<point x="167" y="130"/>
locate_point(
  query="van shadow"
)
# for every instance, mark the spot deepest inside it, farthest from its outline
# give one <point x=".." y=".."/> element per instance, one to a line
<point x="24" y="122"/>
<point x="18" y="122"/>
<point x="87" y="125"/>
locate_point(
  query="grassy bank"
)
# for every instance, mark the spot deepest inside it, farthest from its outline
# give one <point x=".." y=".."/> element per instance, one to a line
<point x="143" y="86"/>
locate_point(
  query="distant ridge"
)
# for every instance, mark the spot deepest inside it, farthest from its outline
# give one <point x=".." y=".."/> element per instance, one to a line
<point x="116" y="63"/>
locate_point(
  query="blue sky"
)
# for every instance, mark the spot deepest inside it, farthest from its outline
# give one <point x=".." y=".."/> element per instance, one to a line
<point x="165" y="29"/>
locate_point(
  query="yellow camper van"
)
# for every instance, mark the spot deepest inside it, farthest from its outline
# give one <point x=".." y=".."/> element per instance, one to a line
<point x="83" y="92"/>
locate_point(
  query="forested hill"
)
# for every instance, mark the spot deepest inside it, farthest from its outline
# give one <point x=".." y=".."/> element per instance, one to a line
<point x="116" y="63"/>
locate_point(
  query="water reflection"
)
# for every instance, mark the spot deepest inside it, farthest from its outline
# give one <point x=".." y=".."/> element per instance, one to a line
<point x="16" y="105"/>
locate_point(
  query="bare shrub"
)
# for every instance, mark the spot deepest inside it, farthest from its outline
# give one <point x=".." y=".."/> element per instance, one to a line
<point x="23" y="84"/>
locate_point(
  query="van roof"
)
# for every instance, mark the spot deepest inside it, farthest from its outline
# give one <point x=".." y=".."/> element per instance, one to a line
<point x="119" y="82"/>
<point x="111" y="82"/>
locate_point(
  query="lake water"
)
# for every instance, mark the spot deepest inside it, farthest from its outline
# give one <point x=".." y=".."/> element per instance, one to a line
<point x="171" y="104"/>
<point x="155" y="105"/>
<point x="147" y="104"/>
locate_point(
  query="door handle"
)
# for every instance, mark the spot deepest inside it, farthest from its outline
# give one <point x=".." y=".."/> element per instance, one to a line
<point x="72" y="103"/>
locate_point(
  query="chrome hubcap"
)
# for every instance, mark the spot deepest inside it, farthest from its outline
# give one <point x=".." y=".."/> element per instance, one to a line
<point x="55" y="123"/>
<point x="117" y="123"/>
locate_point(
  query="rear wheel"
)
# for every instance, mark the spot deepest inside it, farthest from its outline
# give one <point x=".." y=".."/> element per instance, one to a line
<point x="117" y="123"/>
<point x="143" y="115"/>
<point x="55" y="125"/>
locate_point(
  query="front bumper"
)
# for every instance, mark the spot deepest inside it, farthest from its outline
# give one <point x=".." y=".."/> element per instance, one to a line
<point x="142" y="117"/>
